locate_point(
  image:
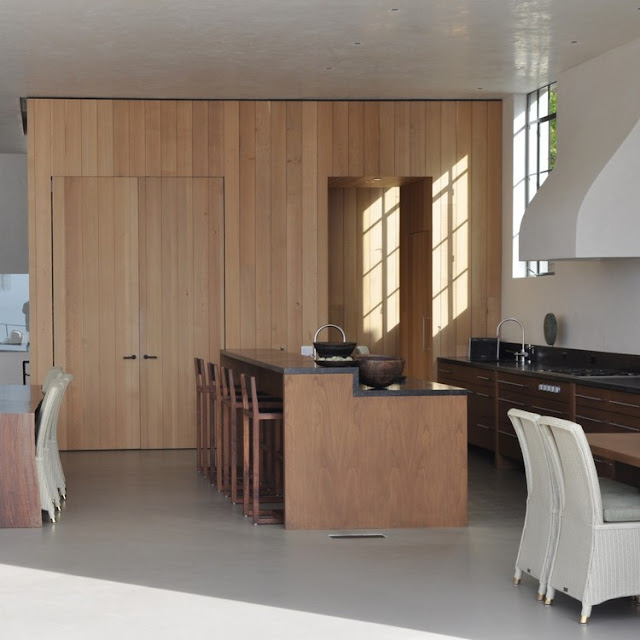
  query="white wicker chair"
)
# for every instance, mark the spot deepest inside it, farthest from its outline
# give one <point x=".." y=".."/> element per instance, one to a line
<point x="541" y="523"/>
<point x="49" y="498"/>
<point x="50" y="376"/>
<point x="54" y="464"/>
<point x="596" y="560"/>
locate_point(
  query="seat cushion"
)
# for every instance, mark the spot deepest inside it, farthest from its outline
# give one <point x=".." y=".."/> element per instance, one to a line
<point x="620" y="502"/>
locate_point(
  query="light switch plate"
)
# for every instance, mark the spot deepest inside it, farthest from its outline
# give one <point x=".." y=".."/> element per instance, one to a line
<point x="306" y="350"/>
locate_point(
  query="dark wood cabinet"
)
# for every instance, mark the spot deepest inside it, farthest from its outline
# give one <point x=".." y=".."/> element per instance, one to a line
<point x="607" y="411"/>
<point x="481" y="412"/>
<point x="530" y="393"/>
<point x="492" y="392"/>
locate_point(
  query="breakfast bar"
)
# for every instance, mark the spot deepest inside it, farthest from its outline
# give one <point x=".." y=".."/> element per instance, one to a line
<point x="362" y="458"/>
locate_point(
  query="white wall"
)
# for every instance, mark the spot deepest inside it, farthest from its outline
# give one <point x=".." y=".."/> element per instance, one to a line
<point x="14" y="257"/>
<point x="597" y="302"/>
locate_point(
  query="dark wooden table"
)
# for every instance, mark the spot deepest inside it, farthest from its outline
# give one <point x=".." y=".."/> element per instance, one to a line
<point x="19" y="491"/>
<point x="619" y="447"/>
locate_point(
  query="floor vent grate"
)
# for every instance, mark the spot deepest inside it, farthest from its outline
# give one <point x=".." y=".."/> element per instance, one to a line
<point x="352" y="536"/>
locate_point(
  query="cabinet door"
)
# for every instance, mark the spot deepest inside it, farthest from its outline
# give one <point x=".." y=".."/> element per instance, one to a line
<point x="95" y="310"/>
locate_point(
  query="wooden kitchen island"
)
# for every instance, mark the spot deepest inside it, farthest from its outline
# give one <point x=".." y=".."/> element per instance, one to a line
<point x="362" y="458"/>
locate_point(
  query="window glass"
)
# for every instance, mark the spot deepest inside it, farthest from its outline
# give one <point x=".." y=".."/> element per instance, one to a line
<point x="14" y="312"/>
<point x="541" y="147"/>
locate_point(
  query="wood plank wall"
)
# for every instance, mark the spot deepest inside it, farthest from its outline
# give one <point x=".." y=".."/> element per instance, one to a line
<point x="276" y="158"/>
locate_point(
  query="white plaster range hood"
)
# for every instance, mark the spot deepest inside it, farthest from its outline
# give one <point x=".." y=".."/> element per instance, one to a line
<point x="589" y="207"/>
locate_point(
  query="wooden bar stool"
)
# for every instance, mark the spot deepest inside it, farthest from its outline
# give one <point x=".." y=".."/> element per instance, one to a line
<point x="201" y="411"/>
<point x="229" y="403"/>
<point x="262" y="438"/>
<point x="215" y="427"/>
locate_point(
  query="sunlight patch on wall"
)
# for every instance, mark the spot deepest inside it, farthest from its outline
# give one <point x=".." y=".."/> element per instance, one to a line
<point x="381" y="265"/>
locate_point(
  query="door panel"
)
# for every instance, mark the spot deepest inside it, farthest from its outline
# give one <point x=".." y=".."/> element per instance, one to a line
<point x="138" y="271"/>
<point x="95" y="266"/>
<point x="181" y="301"/>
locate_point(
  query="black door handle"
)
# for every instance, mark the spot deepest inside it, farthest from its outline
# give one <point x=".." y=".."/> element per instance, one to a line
<point x="133" y="357"/>
<point x="146" y="357"/>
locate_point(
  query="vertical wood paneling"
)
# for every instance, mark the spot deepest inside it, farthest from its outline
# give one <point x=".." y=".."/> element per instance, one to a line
<point x="371" y="142"/>
<point x="216" y="267"/>
<point x="417" y="139"/>
<point x="232" y="221"/>
<point x="294" y="225"/>
<point x="263" y="222"/>
<point x="448" y="160"/>
<point x="201" y="268"/>
<point x="151" y="312"/>
<point x="247" y="221"/>
<point x="356" y="138"/>
<point x="121" y="137"/>
<point x="387" y="139"/>
<point x="478" y="220"/>
<point x="168" y="138"/>
<point x="137" y="138"/>
<point x="218" y="131"/>
<point x="89" y="134"/>
<point x="336" y="264"/>
<point x="279" y="287"/>
<point x="200" y="137"/>
<point x="59" y="230"/>
<point x="31" y="207"/>
<point x="309" y="211"/>
<point x="439" y="227"/>
<point x="402" y="134"/>
<point x="461" y="285"/>
<point x="105" y="339"/>
<point x="184" y="142"/>
<point x="340" y="139"/>
<point x="168" y="349"/>
<point x="152" y="140"/>
<point x="276" y="158"/>
<point x="71" y="349"/>
<point x="494" y="208"/>
<point x="126" y="319"/>
<point x="183" y="429"/>
<point x="92" y="424"/>
<point x="73" y="137"/>
<point x="352" y="249"/>
<point x="58" y="138"/>
<point x="324" y="154"/>
<point x="105" y="137"/>
<point x="40" y="309"/>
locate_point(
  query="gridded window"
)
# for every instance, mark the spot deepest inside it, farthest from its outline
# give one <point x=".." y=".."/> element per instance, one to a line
<point x="541" y="148"/>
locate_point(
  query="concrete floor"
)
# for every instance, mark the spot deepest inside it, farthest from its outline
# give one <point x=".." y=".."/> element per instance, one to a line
<point x="145" y="546"/>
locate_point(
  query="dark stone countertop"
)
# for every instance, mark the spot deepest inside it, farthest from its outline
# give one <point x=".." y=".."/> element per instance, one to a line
<point x="287" y="363"/>
<point x="630" y="384"/>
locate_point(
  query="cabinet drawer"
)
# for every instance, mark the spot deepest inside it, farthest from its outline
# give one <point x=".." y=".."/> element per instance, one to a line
<point x="591" y="397"/>
<point x="464" y="376"/>
<point x="622" y="402"/>
<point x="511" y="386"/>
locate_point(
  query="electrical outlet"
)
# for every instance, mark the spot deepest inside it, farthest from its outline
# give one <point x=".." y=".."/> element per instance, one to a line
<point x="306" y="350"/>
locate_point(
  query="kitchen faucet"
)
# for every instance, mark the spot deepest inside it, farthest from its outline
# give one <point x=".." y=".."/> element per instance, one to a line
<point x="522" y="355"/>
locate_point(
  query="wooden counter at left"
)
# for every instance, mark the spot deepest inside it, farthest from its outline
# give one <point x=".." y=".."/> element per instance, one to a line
<point x="363" y="458"/>
<point x="19" y="492"/>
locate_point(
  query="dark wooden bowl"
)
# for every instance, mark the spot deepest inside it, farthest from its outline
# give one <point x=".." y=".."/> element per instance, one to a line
<point x="329" y="349"/>
<point x="379" y="371"/>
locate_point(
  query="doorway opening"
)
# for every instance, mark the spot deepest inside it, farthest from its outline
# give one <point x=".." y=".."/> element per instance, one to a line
<point x="380" y="265"/>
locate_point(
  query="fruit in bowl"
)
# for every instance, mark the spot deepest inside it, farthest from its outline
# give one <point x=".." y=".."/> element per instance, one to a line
<point x="379" y="371"/>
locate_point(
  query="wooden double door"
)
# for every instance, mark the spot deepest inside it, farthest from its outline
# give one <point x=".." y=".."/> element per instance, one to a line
<point x="138" y="290"/>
